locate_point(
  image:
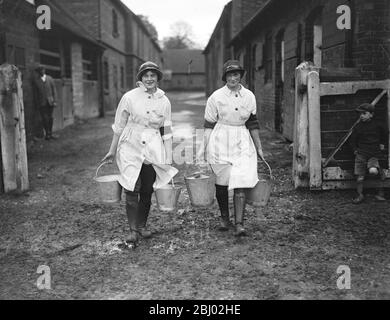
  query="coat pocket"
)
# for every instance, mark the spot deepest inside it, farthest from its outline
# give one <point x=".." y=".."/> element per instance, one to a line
<point x="245" y="112"/>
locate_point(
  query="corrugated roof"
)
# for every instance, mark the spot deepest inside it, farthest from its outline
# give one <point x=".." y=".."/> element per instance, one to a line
<point x="178" y="60"/>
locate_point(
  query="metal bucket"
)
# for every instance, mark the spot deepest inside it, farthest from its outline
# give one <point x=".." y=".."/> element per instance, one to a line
<point x="201" y="189"/>
<point x="167" y="198"/>
<point x="110" y="189"/>
<point x="260" y="194"/>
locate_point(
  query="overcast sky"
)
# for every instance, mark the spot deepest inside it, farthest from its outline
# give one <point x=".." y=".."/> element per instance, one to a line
<point x="202" y="15"/>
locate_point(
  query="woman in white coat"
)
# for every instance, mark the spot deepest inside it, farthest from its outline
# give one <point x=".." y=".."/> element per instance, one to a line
<point x="232" y="143"/>
<point x="142" y="145"/>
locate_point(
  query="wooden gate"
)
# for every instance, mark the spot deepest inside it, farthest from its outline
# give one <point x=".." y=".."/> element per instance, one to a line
<point x="319" y="125"/>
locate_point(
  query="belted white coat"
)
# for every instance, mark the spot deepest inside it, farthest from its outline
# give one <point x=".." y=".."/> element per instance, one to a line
<point x="231" y="151"/>
<point x="138" y="120"/>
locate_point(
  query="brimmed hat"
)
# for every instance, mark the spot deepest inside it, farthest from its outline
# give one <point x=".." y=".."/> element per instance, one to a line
<point x="39" y="67"/>
<point x="365" y="107"/>
<point x="232" y="65"/>
<point x="149" y="66"/>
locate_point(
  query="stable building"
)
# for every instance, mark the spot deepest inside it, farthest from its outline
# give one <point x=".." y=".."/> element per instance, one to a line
<point x="125" y="38"/>
<point x="184" y="69"/>
<point x="68" y="52"/>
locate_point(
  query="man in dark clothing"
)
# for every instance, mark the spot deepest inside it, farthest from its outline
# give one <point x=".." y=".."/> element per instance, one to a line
<point x="368" y="141"/>
<point x="45" y="95"/>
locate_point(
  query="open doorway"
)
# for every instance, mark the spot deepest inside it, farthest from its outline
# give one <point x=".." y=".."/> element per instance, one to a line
<point x="313" y="37"/>
<point x="279" y="80"/>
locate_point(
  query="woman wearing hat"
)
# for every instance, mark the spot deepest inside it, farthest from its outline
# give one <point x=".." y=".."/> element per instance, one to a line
<point x="232" y="143"/>
<point x="142" y="144"/>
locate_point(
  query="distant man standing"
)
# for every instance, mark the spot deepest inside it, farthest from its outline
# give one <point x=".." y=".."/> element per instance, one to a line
<point x="45" y="94"/>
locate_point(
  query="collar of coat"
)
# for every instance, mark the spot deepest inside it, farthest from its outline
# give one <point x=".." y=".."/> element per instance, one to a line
<point x="229" y="92"/>
<point x="158" y="94"/>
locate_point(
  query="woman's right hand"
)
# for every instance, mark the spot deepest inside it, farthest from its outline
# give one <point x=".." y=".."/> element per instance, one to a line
<point x="109" y="158"/>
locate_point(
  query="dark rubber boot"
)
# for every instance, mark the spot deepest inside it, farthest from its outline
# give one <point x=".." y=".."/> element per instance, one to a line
<point x="239" y="209"/>
<point x="132" y="214"/>
<point x="222" y="196"/>
<point x="143" y="213"/>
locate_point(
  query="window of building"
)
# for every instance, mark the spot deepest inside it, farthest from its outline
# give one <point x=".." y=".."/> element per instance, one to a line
<point x="115" y="76"/>
<point x="279" y="59"/>
<point x="89" y="64"/>
<point x="50" y="56"/>
<point x="106" y="77"/>
<point x="267" y="58"/>
<point x="115" y="29"/>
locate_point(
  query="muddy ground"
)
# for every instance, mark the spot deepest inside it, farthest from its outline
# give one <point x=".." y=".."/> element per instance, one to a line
<point x="293" y="250"/>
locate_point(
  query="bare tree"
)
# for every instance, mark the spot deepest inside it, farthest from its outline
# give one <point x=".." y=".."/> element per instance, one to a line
<point x="181" y="36"/>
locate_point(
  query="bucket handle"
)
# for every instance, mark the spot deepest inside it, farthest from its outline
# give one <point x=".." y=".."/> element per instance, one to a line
<point x="269" y="168"/>
<point x="101" y="165"/>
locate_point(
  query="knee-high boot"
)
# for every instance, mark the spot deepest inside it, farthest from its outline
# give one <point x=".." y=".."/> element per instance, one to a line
<point x="222" y="196"/>
<point x="239" y="209"/>
<point x="143" y="213"/>
<point x="132" y="215"/>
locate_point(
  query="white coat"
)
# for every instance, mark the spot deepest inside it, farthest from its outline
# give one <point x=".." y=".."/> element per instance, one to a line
<point x="231" y="151"/>
<point x="138" y="120"/>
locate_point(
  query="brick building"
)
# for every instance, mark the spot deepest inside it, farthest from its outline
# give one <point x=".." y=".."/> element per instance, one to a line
<point x="218" y="51"/>
<point x="184" y="69"/>
<point x="125" y="38"/>
<point x="67" y="51"/>
<point x="282" y="34"/>
<point x="232" y="20"/>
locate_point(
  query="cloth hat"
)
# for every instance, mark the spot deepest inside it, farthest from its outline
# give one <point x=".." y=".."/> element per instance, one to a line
<point x="365" y="107"/>
<point x="149" y="66"/>
<point x="232" y="65"/>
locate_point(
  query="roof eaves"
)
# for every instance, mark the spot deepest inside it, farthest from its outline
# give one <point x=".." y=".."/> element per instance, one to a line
<point x="220" y="20"/>
<point x="139" y="21"/>
<point x="84" y="34"/>
<point x="248" y="25"/>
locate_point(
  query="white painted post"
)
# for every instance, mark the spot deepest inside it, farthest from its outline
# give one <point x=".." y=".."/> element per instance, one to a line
<point x="315" y="167"/>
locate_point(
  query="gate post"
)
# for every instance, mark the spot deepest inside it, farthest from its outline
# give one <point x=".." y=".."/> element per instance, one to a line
<point x="301" y="143"/>
<point x="315" y="165"/>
